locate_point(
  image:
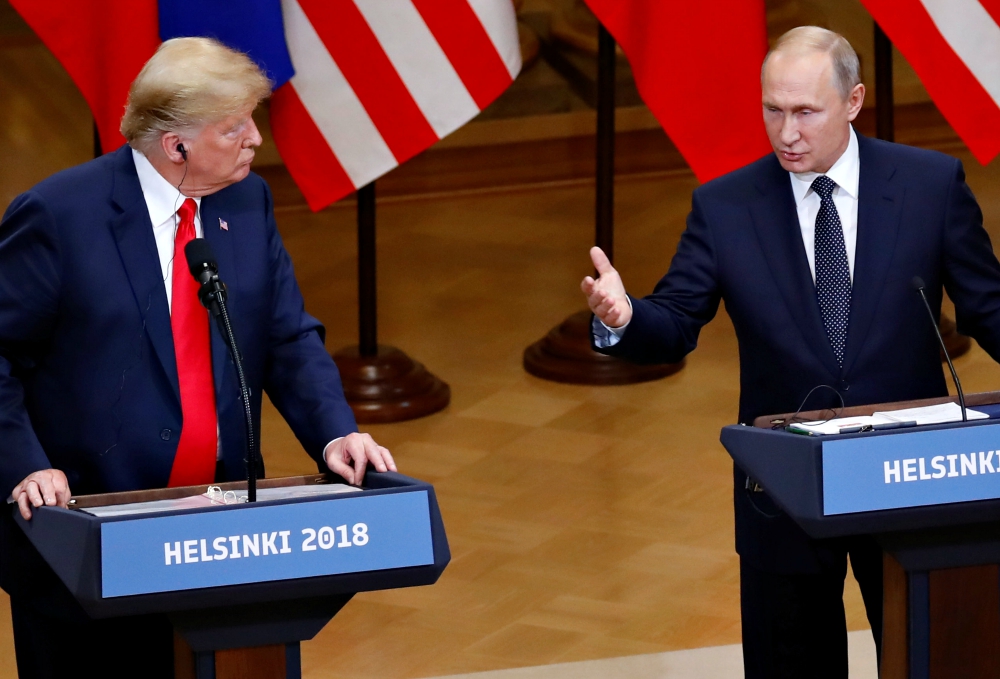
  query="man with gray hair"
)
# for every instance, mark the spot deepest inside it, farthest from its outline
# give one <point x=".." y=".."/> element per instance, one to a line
<point x="813" y="250"/>
<point x="111" y="376"/>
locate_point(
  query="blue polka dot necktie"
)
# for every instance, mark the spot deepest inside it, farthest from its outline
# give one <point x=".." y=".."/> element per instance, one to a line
<point x="833" y="275"/>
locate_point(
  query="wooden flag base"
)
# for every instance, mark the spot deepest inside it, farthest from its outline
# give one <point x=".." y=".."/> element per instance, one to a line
<point x="564" y="355"/>
<point x="389" y="386"/>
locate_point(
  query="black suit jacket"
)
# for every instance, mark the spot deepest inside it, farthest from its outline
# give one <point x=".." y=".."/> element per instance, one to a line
<point x="743" y="245"/>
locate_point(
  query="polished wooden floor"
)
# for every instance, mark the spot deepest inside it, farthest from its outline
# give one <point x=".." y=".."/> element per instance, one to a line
<point x="584" y="522"/>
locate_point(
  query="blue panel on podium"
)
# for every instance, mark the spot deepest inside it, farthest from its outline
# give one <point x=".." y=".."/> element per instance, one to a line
<point x="911" y="469"/>
<point x="263" y="543"/>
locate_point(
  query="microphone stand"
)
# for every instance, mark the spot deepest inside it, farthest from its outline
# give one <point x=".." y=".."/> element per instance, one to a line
<point x="213" y="296"/>
<point x="918" y="285"/>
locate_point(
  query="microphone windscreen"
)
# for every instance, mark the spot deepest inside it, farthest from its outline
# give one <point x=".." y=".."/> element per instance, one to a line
<point x="918" y="283"/>
<point x="199" y="256"/>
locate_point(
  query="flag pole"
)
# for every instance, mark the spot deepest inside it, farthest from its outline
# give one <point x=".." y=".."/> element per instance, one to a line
<point x="381" y="383"/>
<point x="564" y="354"/>
<point x="885" y="128"/>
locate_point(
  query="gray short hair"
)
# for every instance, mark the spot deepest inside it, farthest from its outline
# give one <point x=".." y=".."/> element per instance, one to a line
<point x="846" y="67"/>
<point x="189" y="83"/>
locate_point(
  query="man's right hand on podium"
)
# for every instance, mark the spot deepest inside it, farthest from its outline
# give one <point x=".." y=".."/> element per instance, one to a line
<point x="606" y="295"/>
<point x="46" y="487"/>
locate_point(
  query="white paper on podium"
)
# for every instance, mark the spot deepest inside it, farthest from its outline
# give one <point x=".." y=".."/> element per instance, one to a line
<point x="203" y="501"/>
<point x="936" y="414"/>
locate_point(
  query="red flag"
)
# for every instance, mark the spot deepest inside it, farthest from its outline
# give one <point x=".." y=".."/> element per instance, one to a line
<point x="697" y="67"/>
<point x="378" y="81"/>
<point x="102" y="44"/>
<point x="954" y="46"/>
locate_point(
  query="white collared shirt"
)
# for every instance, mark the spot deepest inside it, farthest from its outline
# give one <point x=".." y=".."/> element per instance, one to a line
<point x="163" y="200"/>
<point x="845" y="173"/>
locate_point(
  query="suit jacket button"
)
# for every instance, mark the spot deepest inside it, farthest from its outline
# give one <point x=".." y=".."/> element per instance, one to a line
<point x="165" y="434"/>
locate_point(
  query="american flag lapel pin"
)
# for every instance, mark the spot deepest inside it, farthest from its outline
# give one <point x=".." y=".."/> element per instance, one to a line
<point x="223" y="224"/>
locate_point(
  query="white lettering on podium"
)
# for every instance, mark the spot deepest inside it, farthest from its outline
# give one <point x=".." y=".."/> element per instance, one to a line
<point x="285" y="549"/>
<point x="251" y="545"/>
<point x="268" y="542"/>
<point x="986" y="462"/>
<point x="234" y="549"/>
<point x="170" y="554"/>
<point x="951" y="464"/>
<point x="910" y="470"/>
<point x="938" y="467"/>
<point x="221" y="552"/>
<point x="968" y="463"/>
<point x="190" y="551"/>
<point x="923" y="472"/>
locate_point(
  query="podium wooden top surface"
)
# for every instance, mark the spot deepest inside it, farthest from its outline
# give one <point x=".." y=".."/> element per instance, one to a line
<point x="971" y="400"/>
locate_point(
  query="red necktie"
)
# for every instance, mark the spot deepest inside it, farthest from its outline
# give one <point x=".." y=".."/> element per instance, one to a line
<point x="194" y="463"/>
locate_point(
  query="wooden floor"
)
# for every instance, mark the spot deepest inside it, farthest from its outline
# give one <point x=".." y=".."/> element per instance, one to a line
<point x="584" y="522"/>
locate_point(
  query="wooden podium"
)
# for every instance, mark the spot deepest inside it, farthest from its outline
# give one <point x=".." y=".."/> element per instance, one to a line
<point x="930" y="495"/>
<point x="243" y="584"/>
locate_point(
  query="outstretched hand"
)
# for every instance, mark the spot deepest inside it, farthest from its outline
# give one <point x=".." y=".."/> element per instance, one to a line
<point x="606" y="295"/>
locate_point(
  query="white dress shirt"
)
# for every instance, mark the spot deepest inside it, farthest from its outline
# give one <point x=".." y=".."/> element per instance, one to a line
<point x="163" y="200"/>
<point x="845" y="173"/>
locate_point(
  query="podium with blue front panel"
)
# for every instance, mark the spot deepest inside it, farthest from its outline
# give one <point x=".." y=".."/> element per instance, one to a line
<point x="243" y="584"/>
<point x="930" y="495"/>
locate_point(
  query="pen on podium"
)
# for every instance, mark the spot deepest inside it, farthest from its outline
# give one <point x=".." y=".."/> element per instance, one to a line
<point x="883" y="426"/>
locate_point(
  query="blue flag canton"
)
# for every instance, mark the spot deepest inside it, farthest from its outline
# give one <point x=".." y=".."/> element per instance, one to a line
<point x="255" y="27"/>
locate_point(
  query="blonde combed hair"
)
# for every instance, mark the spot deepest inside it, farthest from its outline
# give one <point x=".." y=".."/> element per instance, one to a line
<point x="846" y="67"/>
<point x="189" y="83"/>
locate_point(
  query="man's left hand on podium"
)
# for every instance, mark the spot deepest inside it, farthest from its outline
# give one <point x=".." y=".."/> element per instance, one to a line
<point x="348" y="457"/>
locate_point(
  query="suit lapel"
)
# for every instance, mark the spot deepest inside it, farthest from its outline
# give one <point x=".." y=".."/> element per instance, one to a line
<point x="213" y="215"/>
<point x="777" y="224"/>
<point x="133" y="234"/>
<point x="879" y="205"/>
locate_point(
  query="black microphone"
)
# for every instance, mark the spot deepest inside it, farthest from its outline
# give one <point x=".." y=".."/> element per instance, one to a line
<point x="204" y="268"/>
<point x="918" y="285"/>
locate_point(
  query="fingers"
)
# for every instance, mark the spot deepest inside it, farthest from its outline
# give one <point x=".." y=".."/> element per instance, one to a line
<point x="351" y="455"/>
<point x="24" y="505"/>
<point x="46" y="487"/>
<point x="601" y="261"/>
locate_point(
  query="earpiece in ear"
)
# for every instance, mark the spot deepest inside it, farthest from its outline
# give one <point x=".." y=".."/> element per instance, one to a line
<point x="182" y="151"/>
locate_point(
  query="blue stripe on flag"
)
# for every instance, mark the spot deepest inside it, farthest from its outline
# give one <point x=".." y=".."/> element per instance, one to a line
<point x="252" y="26"/>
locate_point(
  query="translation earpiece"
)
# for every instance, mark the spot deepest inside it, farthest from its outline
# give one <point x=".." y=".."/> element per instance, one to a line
<point x="182" y="151"/>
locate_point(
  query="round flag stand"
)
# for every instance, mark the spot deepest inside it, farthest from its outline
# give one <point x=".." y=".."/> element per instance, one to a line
<point x="564" y="354"/>
<point x="382" y="384"/>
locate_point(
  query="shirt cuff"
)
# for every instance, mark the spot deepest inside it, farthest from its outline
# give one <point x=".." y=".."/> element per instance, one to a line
<point x="606" y="336"/>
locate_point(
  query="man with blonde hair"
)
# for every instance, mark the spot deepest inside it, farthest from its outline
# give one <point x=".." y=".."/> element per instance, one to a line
<point x="111" y="376"/>
<point x="813" y="249"/>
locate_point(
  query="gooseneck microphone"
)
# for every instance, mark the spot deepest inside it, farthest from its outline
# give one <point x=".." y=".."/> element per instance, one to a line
<point x="204" y="268"/>
<point x="918" y="285"/>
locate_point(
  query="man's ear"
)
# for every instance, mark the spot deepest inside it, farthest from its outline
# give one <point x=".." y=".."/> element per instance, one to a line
<point x="168" y="144"/>
<point x="855" y="101"/>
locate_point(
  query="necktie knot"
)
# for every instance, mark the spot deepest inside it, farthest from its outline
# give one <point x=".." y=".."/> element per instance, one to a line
<point x="824" y="186"/>
<point x="187" y="210"/>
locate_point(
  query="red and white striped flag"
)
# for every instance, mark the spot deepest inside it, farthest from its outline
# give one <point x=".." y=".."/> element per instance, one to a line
<point x="954" y="46"/>
<point x="378" y="81"/>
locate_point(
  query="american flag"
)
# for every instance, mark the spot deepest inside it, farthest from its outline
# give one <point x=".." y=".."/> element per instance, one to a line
<point x="378" y="81"/>
<point x="954" y="46"/>
<point x="373" y="82"/>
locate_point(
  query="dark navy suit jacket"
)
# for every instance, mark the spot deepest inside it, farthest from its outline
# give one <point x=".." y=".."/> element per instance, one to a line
<point x="743" y="246"/>
<point x="88" y="378"/>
